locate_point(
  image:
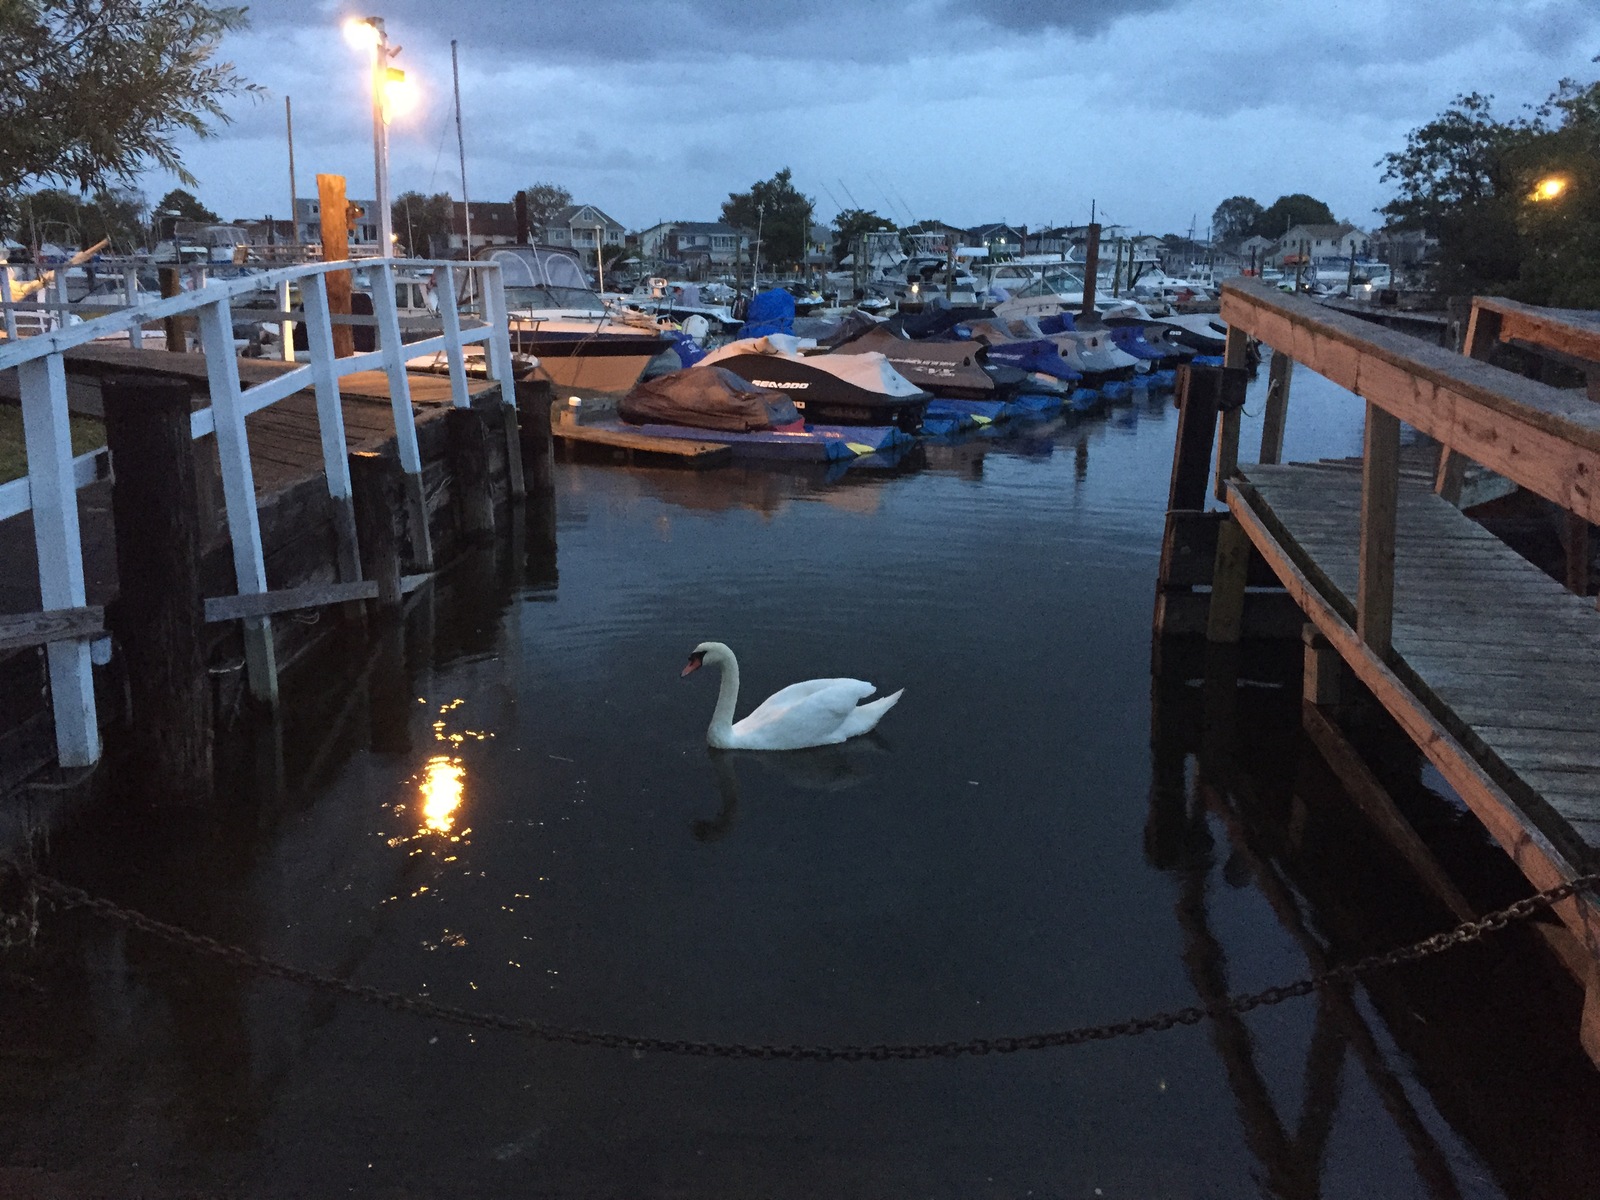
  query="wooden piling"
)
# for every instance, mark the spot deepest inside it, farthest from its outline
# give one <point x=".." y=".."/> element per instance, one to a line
<point x="375" y="496"/>
<point x="1380" y="482"/>
<point x="335" y="217"/>
<point x="159" y="615"/>
<point x="468" y="447"/>
<point x="1320" y="686"/>
<point x="171" y="285"/>
<point x="1091" y="268"/>
<point x="1233" y="356"/>
<point x="534" y="397"/>
<point x="1280" y="374"/>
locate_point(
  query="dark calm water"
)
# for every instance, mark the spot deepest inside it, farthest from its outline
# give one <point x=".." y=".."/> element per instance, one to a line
<point x="509" y="806"/>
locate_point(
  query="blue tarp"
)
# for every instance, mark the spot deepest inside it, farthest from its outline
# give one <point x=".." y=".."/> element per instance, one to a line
<point x="769" y="312"/>
<point x="1060" y="322"/>
<point x="1036" y="354"/>
<point x="1130" y="340"/>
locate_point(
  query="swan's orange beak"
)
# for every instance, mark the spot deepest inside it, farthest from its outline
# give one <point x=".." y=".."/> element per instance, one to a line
<point x="694" y="663"/>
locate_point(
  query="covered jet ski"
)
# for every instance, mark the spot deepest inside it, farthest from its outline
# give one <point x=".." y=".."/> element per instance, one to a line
<point x="949" y="369"/>
<point x="828" y="389"/>
<point x="708" y="398"/>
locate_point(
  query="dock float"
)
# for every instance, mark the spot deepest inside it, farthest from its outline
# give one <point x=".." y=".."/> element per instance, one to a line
<point x="682" y="451"/>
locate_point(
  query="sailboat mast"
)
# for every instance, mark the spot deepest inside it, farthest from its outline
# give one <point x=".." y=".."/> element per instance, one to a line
<point x="461" y="147"/>
<point x="294" y="214"/>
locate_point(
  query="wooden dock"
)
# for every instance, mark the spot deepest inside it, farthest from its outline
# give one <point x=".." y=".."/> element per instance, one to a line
<point x="1489" y="664"/>
<point x="698" y="455"/>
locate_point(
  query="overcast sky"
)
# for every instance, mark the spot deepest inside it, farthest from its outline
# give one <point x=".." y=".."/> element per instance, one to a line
<point x="963" y="110"/>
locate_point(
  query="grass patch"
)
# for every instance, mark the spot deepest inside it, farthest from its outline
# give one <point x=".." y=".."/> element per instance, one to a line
<point x="87" y="434"/>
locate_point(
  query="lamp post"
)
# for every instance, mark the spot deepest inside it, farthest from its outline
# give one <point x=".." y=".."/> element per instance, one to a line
<point x="386" y="80"/>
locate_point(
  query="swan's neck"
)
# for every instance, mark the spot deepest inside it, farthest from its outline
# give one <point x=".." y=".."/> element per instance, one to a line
<point x="720" y="734"/>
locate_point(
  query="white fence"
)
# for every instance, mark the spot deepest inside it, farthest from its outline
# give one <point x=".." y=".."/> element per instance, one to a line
<point x="49" y="490"/>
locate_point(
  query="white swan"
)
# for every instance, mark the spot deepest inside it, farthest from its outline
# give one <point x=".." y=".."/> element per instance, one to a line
<point x="818" y="712"/>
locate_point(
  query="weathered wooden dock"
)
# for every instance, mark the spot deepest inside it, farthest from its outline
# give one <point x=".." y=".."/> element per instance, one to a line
<point x="1488" y="663"/>
<point x="637" y="447"/>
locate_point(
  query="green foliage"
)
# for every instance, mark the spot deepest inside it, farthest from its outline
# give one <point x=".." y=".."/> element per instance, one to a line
<point x="185" y="206"/>
<point x="96" y="92"/>
<point x="1237" y="217"/>
<point x="851" y="224"/>
<point x="545" y="200"/>
<point x="1294" y="209"/>
<point x="778" y="212"/>
<point x="421" y="221"/>
<point x="1468" y="178"/>
<point x="57" y="215"/>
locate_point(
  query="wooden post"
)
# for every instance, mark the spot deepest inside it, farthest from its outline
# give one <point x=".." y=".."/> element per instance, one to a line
<point x="159" y="616"/>
<point x="1577" y="545"/>
<point x="1091" y="268"/>
<point x="1320" y="685"/>
<point x="1280" y="373"/>
<point x="534" y="397"/>
<point x="468" y="447"/>
<point x="1380" y="481"/>
<point x="1196" y="394"/>
<point x="1233" y="355"/>
<point x="1228" y="576"/>
<point x="374" y="486"/>
<point x="1483" y="332"/>
<point x="334" y="209"/>
<point x="171" y="285"/>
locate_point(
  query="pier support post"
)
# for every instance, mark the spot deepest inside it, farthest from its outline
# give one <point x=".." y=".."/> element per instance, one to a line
<point x="374" y="490"/>
<point x="1380" y="483"/>
<point x="534" y="397"/>
<point x="171" y="285"/>
<point x="159" y="615"/>
<point x="1322" y="672"/>
<point x="1228" y="577"/>
<point x="1279" y="375"/>
<point x="1233" y="356"/>
<point x="468" y="438"/>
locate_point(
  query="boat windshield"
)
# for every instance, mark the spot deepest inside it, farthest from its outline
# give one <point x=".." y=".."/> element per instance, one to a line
<point x="1055" y="283"/>
<point x="537" y="278"/>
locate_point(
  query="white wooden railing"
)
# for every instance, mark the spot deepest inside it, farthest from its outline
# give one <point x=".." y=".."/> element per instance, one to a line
<point x="49" y="490"/>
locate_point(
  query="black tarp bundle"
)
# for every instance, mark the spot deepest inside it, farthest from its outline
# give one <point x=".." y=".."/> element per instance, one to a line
<point x="935" y="322"/>
<point x="707" y="398"/>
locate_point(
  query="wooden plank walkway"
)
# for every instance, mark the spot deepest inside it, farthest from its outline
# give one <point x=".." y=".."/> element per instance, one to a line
<point x="1503" y="655"/>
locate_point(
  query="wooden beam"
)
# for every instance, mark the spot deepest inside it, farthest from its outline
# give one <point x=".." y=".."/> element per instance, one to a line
<point x="335" y="217"/>
<point x="1539" y="859"/>
<point x="18" y="631"/>
<point x="1543" y="438"/>
<point x="1228" y="574"/>
<point x="1196" y="395"/>
<point x="1233" y="355"/>
<point x="1380" y="486"/>
<point x="1567" y="332"/>
<point x="264" y="604"/>
<point x="1320" y="682"/>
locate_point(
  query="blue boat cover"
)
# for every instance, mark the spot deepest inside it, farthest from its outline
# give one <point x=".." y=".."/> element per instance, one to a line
<point x="1060" y="322"/>
<point x="1036" y="354"/>
<point x="1130" y="340"/>
<point x="771" y="311"/>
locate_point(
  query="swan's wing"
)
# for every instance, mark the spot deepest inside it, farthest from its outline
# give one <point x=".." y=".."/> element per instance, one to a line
<point x="803" y="714"/>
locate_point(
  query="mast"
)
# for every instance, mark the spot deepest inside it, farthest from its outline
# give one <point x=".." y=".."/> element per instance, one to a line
<point x="294" y="212"/>
<point x="461" y="146"/>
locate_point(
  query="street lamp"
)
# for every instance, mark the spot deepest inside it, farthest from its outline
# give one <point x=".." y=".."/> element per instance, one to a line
<point x="1549" y="188"/>
<point x="389" y="94"/>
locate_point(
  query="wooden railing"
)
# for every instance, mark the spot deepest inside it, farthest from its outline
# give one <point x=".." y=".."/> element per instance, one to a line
<point x="67" y="625"/>
<point x="1542" y="438"/>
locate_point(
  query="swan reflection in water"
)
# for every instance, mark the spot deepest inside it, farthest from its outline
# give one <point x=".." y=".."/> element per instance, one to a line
<point x="819" y="769"/>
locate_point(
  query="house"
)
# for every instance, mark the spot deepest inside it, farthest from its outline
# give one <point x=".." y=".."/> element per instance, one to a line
<point x="363" y="229"/>
<point x="932" y="238"/>
<point x="583" y="227"/>
<point x="1312" y="242"/>
<point x="1255" y="248"/>
<point x="1001" y="240"/>
<point x="494" y="223"/>
<point x="1404" y="247"/>
<point x="694" y="242"/>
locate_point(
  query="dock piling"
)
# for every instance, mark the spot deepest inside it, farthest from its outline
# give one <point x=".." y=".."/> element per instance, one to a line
<point x="374" y="492"/>
<point x="468" y="440"/>
<point x="534" y="397"/>
<point x="159" y="616"/>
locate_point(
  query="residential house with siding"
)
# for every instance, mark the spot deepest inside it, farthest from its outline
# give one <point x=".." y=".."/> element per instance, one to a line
<point x="1321" y="241"/>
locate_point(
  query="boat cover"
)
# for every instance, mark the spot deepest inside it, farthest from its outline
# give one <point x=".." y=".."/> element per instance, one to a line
<point x="707" y="398"/>
<point x="854" y="324"/>
<point x="935" y="322"/>
<point x="943" y="368"/>
<point x="771" y="311"/>
<point x="871" y="372"/>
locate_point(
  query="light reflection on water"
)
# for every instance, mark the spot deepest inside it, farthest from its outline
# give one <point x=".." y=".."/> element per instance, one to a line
<point x="1034" y="838"/>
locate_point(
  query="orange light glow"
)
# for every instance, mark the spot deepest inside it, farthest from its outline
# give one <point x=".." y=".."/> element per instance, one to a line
<point x="362" y="35"/>
<point x="1550" y="188"/>
<point x="443" y="782"/>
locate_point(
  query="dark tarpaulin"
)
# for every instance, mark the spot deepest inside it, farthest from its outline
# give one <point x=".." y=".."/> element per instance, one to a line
<point x="707" y="398"/>
<point x="935" y="321"/>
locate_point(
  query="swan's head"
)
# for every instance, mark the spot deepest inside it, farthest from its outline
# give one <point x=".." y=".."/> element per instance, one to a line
<point x="714" y="653"/>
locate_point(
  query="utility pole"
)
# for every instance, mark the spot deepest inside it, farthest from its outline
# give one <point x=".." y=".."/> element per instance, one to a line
<point x="294" y="212"/>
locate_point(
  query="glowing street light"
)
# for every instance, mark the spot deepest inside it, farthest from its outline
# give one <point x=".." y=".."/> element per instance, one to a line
<point x="1549" y="188"/>
<point x="390" y="94"/>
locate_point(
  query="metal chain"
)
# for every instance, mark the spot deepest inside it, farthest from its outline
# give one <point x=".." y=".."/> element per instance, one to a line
<point x="245" y="960"/>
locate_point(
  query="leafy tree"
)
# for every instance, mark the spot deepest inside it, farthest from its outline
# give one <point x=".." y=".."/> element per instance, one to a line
<point x="57" y="215"/>
<point x="95" y="92"/>
<point x="1237" y="217"/>
<point x="545" y="200"/>
<point x="423" y="220"/>
<point x="120" y="214"/>
<point x="775" y="209"/>
<point x="1468" y="178"/>
<point x="50" y="215"/>
<point x="184" y="206"/>
<point x="851" y="224"/>
<point x="1295" y="209"/>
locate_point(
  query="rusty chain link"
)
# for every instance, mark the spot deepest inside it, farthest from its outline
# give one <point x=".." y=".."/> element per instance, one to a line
<point x="69" y="896"/>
